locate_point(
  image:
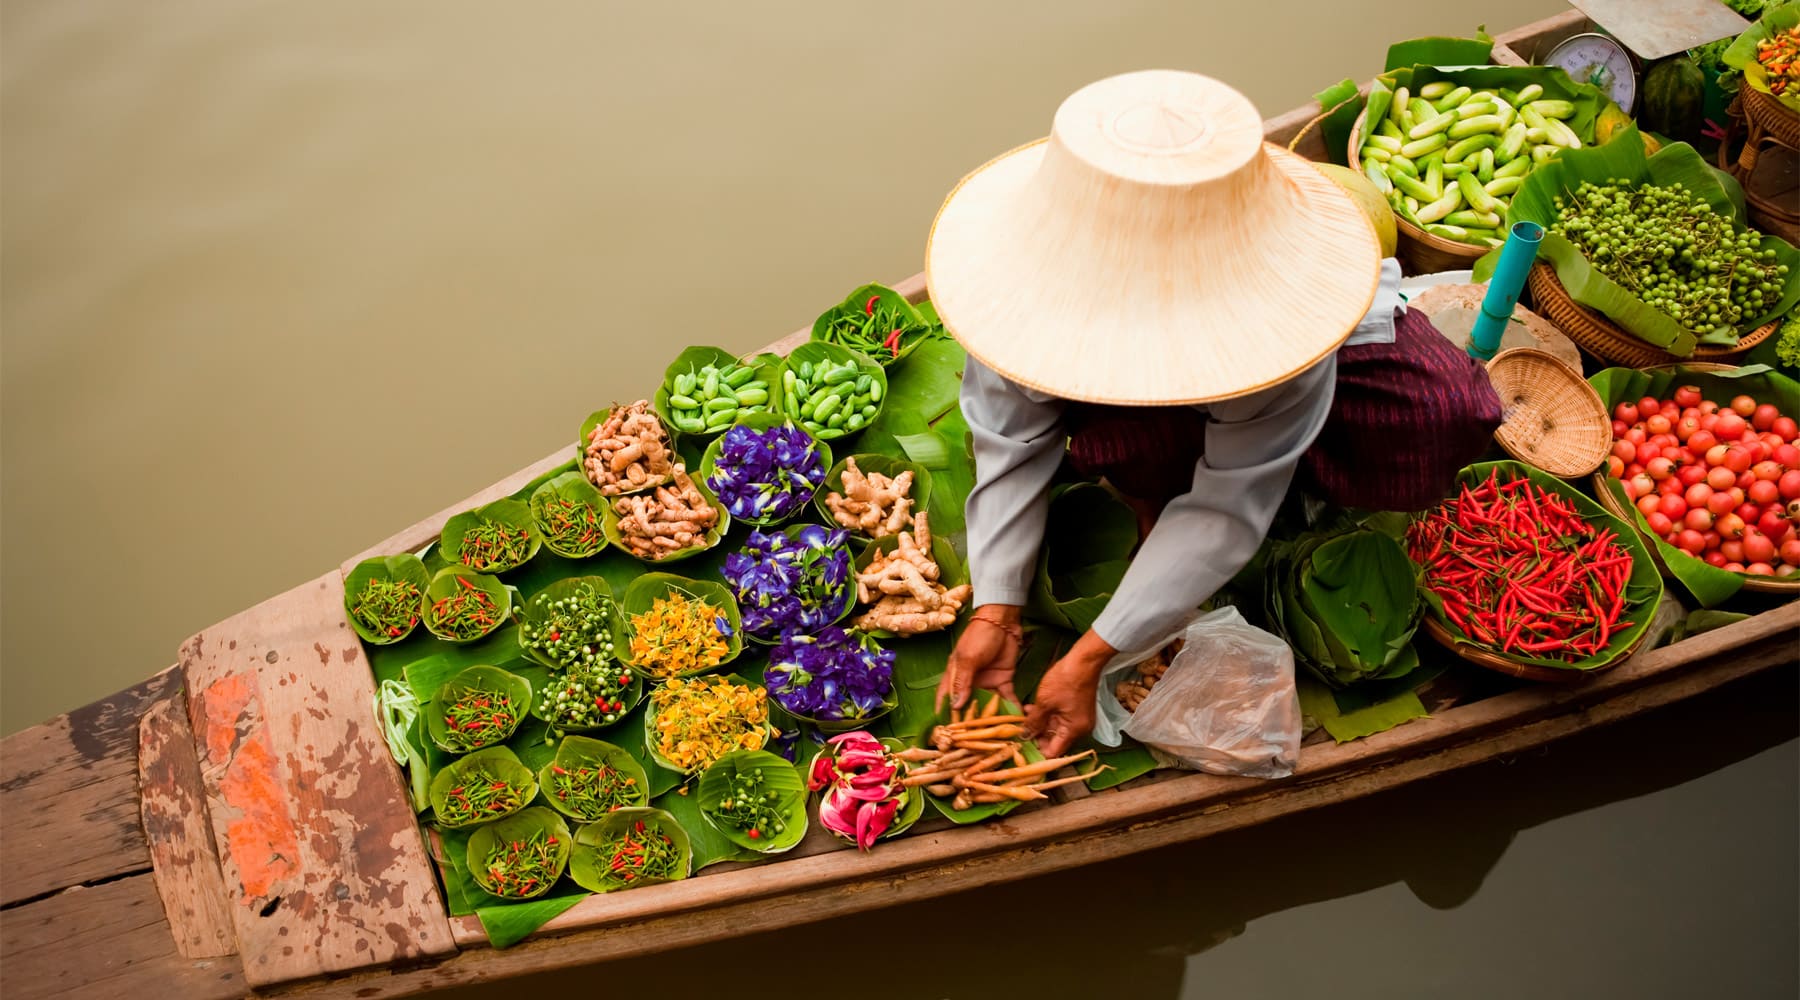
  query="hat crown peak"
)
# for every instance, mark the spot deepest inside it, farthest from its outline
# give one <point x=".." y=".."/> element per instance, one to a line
<point x="1159" y="127"/>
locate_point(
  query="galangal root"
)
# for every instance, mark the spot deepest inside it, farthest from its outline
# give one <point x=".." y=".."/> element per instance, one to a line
<point x="874" y="504"/>
<point x="1132" y="691"/>
<point x="666" y="520"/>
<point x="628" y="451"/>
<point x="903" y="588"/>
<point x="980" y="758"/>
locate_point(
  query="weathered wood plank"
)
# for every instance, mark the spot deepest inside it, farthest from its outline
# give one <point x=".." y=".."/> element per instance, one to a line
<point x="70" y="788"/>
<point x="184" y="864"/>
<point x="105" y="941"/>
<point x="1532" y="42"/>
<point x="317" y="842"/>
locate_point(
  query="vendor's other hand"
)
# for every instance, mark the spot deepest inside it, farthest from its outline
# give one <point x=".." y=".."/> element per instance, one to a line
<point x="985" y="657"/>
<point x="1062" y="713"/>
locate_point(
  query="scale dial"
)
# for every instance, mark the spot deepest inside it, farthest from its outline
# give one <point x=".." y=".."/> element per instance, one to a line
<point x="1601" y="61"/>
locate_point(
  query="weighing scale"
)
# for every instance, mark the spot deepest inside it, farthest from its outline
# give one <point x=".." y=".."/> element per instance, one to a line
<point x="1638" y="32"/>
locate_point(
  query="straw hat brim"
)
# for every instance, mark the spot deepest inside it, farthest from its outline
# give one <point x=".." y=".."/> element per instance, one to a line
<point x="1248" y="306"/>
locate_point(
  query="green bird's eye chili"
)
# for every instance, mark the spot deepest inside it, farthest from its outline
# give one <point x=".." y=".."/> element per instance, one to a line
<point x="388" y="607"/>
<point x="522" y="868"/>
<point x="570" y="526"/>
<point x="481" y="795"/>
<point x="1518" y="570"/>
<point x="591" y="792"/>
<point x="639" y="853"/>
<point x="466" y="614"/>
<point x="877" y="330"/>
<point x="479" y="719"/>
<point x="751" y="807"/>
<point x="490" y="545"/>
<point x="573" y="630"/>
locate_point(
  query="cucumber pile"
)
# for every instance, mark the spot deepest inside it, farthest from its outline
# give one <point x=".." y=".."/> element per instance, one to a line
<point x="709" y="399"/>
<point x="830" y="399"/>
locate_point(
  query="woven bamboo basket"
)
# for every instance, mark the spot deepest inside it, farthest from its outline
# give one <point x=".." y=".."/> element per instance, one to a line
<point x="1606" y="498"/>
<point x="1777" y="213"/>
<point x="1420" y="251"/>
<point x="1524" y="671"/>
<point x="1766" y="113"/>
<point x="1600" y="337"/>
<point x="1554" y="419"/>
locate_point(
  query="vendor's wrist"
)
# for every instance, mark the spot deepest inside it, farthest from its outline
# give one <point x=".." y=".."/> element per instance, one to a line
<point x="1001" y="614"/>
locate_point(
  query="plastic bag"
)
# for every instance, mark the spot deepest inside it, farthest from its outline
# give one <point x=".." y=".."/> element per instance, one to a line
<point x="1226" y="705"/>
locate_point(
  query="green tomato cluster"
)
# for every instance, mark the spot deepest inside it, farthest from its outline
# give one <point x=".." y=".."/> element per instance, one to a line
<point x="1668" y="247"/>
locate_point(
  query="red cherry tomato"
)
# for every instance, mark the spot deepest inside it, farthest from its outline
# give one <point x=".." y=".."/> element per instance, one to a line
<point x="1758" y="547"/>
<point x="1709" y="422"/>
<point x="1715" y="558"/>
<point x="1647" y="406"/>
<point x="1658" y="468"/>
<point x="1750" y="512"/>
<point x="1687" y="395"/>
<point x="1789" y="484"/>
<point x="1691" y="473"/>
<point x="1790" y="552"/>
<point x="1737" y="459"/>
<point x="1730" y="528"/>
<point x="1672" y="506"/>
<point x="1743" y="406"/>
<point x="1772" y="524"/>
<point x="1733" y="567"/>
<point x="1659" y="524"/>
<point x="1720" y="503"/>
<point x="1690" y="541"/>
<point x="1698" y="518"/>
<point x="1708" y="406"/>
<point x="1620" y="428"/>
<point x="1763" y="417"/>
<point x="1626" y="412"/>
<point x="1732" y="549"/>
<point x="1730" y="427"/>
<point x="1760" y="569"/>
<point x="1720" y="478"/>
<point x="1763" y="492"/>
<point x="1641" y="484"/>
<point x="1686" y="426"/>
<point x="1701" y="440"/>
<point x="1647" y="451"/>
<point x="1632" y="468"/>
<point x="1786" y="427"/>
<point x="1697" y="495"/>
<point x="1787" y="454"/>
<point x="1626" y="451"/>
<point x="1745" y="478"/>
<point x="1636" y="435"/>
<point x="1658" y="424"/>
<point x="1649" y="503"/>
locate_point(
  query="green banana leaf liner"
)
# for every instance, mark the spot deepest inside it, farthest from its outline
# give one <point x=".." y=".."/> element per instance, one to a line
<point x="1371" y="625"/>
<point x="767" y="367"/>
<point x="444" y="584"/>
<point x="609" y="523"/>
<point x="493" y="838"/>
<point x="917" y="327"/>
<point x="1709" y="585"/>
<point x="581" y="751"/>
<point x="815" y="351"/>
<point x="1623" y="158"/>
<point x="870" y="464"/>
<point x="709" y="462"/>
<point x="574" y="487"/>
<point x="405" y="567"/>
<point x="1643" y="589"/>
<point x="480" y="677"/>
<point x="779" y="777"/>
<point x="951" y="574"/>
<point x="1742" y="53"/>
<point x="985" y="810"/>
<point x="535" y="611"/>
<point x="592" y="872"/>
<point x="888" y="704"/>
<point x="510" y="513"/>
<point x="597" y="418"/>
<point x="1088" y="540"/>
<point x="642" y="595"/>
<point x="656" y="757"/>
<point x="501" y="763"/>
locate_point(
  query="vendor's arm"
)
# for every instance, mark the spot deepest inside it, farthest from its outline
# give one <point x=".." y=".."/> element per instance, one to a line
<point x="1018" y="443"/>
<point x="1253" y="446"/>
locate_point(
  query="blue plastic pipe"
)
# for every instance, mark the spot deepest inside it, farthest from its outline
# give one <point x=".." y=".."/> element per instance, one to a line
<point x="1503" y="288"/>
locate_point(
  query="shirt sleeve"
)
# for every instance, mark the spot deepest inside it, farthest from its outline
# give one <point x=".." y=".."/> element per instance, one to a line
<point x="1203" y="537"/>
<point x="1018" y="443"/>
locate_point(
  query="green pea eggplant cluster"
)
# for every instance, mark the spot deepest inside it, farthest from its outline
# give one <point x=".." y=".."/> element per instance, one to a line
<point x="710" y="398"/>
<point x="1450" y="158"/>
<point x="830" y="399"/>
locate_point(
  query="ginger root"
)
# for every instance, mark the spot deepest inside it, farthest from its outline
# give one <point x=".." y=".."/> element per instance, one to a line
<point x="666" y="520"/>
<point x="903" y="590"/>
<point x="628" y="451"/>
<point x="875" y="505"/>
<point x="1132" y="691"/>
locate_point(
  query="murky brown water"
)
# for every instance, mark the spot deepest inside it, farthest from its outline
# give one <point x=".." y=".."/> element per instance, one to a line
<point x="280" y="279"/>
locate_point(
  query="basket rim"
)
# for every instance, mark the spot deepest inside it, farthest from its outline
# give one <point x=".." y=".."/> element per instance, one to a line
<point x="1500" y="663"/>
<point x="1521" y="356"/>
<point x="1542" y="272"/>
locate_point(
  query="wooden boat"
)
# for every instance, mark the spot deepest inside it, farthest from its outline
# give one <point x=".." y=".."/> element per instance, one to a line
<point x="235" y="822"/>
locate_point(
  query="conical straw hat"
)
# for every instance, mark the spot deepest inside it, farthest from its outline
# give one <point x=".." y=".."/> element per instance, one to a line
<point x="1153" y="250"/>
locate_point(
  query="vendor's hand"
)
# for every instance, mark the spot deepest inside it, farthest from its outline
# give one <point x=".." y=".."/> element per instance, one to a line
<point x="985" y="657"/>
<point x="1063" y="711"/>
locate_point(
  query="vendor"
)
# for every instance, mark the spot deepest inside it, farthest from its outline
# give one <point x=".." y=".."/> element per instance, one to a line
<point x="1155" y="289"/>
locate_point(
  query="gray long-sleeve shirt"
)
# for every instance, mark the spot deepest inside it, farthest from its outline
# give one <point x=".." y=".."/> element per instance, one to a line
<point x="1252" y="446"/>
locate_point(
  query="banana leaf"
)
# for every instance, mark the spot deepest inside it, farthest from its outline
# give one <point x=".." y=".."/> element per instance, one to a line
<point x="592" y="871"/>
<point x="1441" y="50"/>
<point x="404" y="567"/>
<point x="928" y="384"/>
<point x="869" y="464"/>
<point x="610" y="524"/>
<point x="479" y="678"/>
<point x="1742" y="53"/>
<point x="1623" y="158"/>
<point x="815" y="352"/>
<point x="1710" y="586"/>
<point x="918" y="665"/>
<point x="707" y="845"/>
<point x="506" y="921"/>
<point x="951" y="574"/>
<point x="507" y="513"/>
<point x="986" y="810"/>
<point x="500" y="763"/>
<point x="446" y="583"/>
<point x="646" y="590"/>
<point x="491" y="839"/>
<point x="1643" y="589"/>
<point x="709" y="463"/>
<point x="575" y="752"/>
<point x="779" y="777"/>
<point x="1348" y="604"/>
<point x="767" y="367"/>
<point x="574" y="487"/>
<point x="1317" y="703"/>
<point x="1088" y="540"/>
<point x="915" y="329"/>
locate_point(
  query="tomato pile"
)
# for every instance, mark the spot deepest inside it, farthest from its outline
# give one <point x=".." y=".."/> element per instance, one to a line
<point x="1720" y="483"/>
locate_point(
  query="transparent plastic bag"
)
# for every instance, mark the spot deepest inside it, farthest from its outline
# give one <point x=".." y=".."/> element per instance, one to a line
<point x="1226" y="705"/>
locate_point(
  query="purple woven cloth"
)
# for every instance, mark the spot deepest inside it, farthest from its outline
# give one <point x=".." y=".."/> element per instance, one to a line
<point x="1406" y="417"/>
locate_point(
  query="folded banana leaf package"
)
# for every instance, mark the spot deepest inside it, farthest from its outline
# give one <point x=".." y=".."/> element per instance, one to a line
<point x="1347" y="600"/>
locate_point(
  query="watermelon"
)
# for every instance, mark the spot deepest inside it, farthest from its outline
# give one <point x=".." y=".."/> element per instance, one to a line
<point x="1672" y="100"/>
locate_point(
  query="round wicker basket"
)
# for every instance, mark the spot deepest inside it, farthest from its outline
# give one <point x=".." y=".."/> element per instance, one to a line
<point x="1554" y="419"/>
<point x="1600" y="337"/>
<point x="1524" y="671"/>
<point x="1420" y="251"/>
<point x="1765" y="111"/>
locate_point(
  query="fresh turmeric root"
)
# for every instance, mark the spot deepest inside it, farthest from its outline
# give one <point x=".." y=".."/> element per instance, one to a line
<point x="903" y="590"/>
<point x="629" y="451"/>
<point x="875" y="505"/>
<point x="666" y="520"/>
